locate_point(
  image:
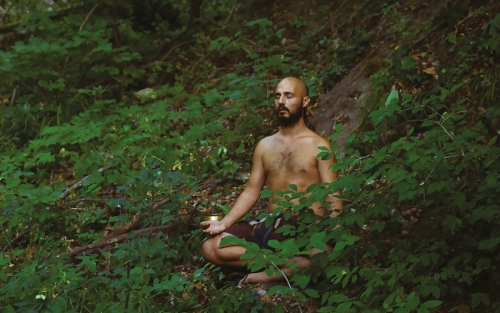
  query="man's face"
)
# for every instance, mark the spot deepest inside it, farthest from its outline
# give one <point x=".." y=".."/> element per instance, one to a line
<point x="289" y="101"/>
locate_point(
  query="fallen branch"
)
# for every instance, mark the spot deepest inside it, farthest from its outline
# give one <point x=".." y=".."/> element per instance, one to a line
<point x="108" y="242"/>
<point x="135" y="221"/>
<point x="124" y="229"/>
<point x="166" y="55"/>
<point x="78" y="185"/>
<point x="159" y="203"/>
<point x="81" y="200"/>
<point x="426" y="34"/>
<point x="490" y="127"/>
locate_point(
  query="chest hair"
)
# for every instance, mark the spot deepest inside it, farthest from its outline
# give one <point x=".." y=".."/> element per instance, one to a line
<point x="284" y="159"/>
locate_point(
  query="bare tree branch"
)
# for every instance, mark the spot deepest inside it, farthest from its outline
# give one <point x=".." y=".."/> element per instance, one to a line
<point x="110" y="241"/>
<point x="88" y="16"/>
<point x="81" y="200"/>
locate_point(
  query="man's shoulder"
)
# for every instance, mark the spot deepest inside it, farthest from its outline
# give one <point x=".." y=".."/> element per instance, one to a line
<point x="318" y="140"/>
<point x="264" y="144"/>
<point x="266" y="140"/>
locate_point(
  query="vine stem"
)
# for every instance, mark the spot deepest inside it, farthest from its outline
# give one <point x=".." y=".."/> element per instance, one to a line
<point x="287" y="281"/>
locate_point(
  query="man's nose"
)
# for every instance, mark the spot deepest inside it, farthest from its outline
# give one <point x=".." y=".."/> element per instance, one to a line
<point x="282" y="99"/>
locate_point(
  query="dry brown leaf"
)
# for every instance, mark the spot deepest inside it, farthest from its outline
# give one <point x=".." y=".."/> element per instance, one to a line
<point x="202" y="298"/>
<point x="431" y="71"/>
<point x="463" y="308"/>
<point x="311" y="305"/>
<point x="266" y="298"/>
<point x="185" y="297"/>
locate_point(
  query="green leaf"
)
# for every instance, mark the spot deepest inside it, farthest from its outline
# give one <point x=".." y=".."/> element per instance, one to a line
<point x="492" y="141"/>
<point x="479" y="297"/>
<point x="317" y="241"/>
<point x="9" y="309"/>
<point x="431" y="304"/>
<point x="452" y="38"/>
<point x="278" y="288"/>
<point x="338" y="298"/>
<point x="4" y="260"/>
<point x="327" y="309"/>
<point x="490" y="243"/>
<point x="266" y="193"/>
<point x="263" y="22"/>
<point x="360" y="219"/>
<point x="324" y="155"/>
<point x="312" y="293"/>
<point x="412" y="301"/>
<point x="459" y="199"/>
<point x="393" y="97"/>
<point x="377" y="116"/>
<point x="274" y="244"/>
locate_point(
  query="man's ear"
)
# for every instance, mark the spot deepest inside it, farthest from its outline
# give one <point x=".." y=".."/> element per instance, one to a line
<point x="306" y="101"/>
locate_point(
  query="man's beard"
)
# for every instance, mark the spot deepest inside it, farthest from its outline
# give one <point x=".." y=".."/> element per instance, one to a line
<point x="292" y="119"/>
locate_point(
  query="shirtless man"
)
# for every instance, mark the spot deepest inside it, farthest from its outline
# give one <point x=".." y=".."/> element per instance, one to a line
<point x="287" y="157"/>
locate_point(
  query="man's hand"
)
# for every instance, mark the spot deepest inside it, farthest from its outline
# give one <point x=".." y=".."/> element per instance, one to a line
<point x="214" y="227"/>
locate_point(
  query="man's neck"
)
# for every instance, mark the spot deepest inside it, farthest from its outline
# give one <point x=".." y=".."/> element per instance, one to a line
<point x="294" y="130"/>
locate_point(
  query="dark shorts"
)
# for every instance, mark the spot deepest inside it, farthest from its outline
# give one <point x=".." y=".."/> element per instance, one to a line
<point x="257" y="232"/>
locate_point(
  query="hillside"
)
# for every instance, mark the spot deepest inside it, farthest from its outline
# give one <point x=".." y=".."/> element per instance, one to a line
<point x="124" y="121"/>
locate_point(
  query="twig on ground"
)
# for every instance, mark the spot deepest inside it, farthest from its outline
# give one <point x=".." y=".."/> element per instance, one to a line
<point x="287" y="281"/>
<point x="107" y="229"/>
<point x="13" y="97"/>
<point x="106" y="242"/>
<point x="17" y="237"/>
<point x="159" y="203"/>
<point x="426" y="34"/>
<point x="78" y="184"/>
<point x="197" y="62"/>
<point x="166" y="55"/>
<point x="231" y="13"/>
<point x="467" y="17"/>
<point x="81" y="200"/>
<point x="124" y="229"/>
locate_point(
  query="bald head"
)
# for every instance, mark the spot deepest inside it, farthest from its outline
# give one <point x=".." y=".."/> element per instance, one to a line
<point x="299" y="87"/>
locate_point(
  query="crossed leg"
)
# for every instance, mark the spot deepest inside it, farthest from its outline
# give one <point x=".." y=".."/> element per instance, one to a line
<point x="230" y="256"/>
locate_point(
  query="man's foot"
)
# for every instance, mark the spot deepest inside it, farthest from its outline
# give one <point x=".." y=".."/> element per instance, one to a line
<point x="235" y="275"/>
<point x="238" y="282"/>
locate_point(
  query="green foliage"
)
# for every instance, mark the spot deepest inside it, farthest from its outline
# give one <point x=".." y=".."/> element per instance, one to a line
<point x="419" y="231"/>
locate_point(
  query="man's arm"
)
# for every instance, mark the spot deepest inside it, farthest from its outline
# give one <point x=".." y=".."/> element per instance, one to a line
<point x="248" y="197"/>
<point x="327" y="176"/>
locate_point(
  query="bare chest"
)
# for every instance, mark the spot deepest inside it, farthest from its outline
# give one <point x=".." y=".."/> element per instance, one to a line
<point x="284" y="159"/>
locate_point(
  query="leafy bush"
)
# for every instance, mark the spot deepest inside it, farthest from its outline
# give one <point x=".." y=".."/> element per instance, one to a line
<point x="98" y="180"/>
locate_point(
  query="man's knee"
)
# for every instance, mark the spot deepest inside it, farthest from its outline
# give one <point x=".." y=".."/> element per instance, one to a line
<point x="210" y="248"/>
<point x="207" y="250"/>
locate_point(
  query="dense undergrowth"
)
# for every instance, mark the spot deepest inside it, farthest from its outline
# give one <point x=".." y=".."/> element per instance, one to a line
<point x="100" y="184"/>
